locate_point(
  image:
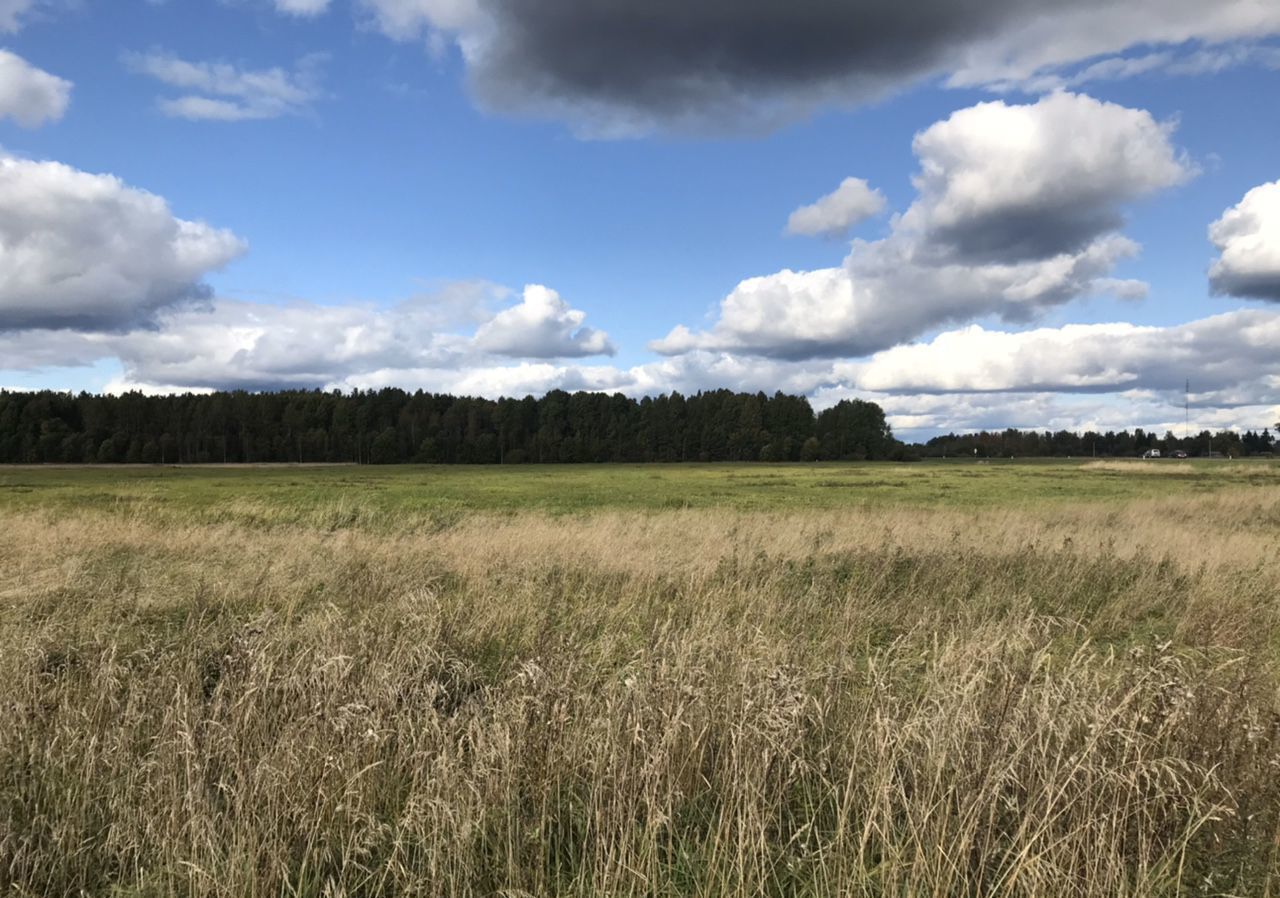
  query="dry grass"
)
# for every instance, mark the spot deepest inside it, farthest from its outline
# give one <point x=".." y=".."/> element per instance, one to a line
<point x="1250" y="469"/>
<point x="1072" y="701"/>
<point x="1141" y="466"/>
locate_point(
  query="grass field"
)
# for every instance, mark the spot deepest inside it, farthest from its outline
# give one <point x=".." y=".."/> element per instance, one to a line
<point x="942" y="679"/>
<point x="400" y="492"/>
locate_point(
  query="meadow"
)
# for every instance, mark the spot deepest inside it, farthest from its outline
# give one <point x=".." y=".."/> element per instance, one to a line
<point x="942" y="679"/>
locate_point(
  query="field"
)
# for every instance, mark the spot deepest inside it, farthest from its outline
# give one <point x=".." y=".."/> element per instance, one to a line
<point x="936" y="679"/>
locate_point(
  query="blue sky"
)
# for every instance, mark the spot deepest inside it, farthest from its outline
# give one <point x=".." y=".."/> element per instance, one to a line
<point x="380" y="181"/>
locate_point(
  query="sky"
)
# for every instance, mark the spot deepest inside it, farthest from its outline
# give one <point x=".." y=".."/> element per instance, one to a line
<point x="1038" y="214"/>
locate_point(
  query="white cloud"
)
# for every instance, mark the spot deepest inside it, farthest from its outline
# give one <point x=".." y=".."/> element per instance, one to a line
<point x="1075" y="31"/>
<point x="1248" y="239"/>
<point x="1010" y="182"/>
<point x="1218" y="353"/>
<point x="524" y="379"/>
<point x="119" y="385"/>
<point x="853" y="202"/>
<point x="411" y="19"/>
<point x="1115" y="68"/>
<point x="688" y="374"/>
<point x="257" y="346"/>
<point x="302" y="7"/>
<point x="28" y="95"/>
<point x="541" y="326"/>
<point x="1017" y="212"/>
<point x="1211" y="60"/>
<point x="219" y="91"/>
<point x="12" y="13"/>
<point x="1202" y="61"/>
<point x="886" y="295"/>
<point x="227" y="343"/>
<point x="919" y="417"/>
<point x="240" y="345"/>
<point x="1106" y="376"/>
<point x="87" y="251"/>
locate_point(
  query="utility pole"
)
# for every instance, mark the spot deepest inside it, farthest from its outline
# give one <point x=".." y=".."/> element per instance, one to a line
<point x="1186" y="427"/>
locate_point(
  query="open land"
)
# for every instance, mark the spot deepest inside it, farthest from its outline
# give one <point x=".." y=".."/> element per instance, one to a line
<point x="944" y="679"/>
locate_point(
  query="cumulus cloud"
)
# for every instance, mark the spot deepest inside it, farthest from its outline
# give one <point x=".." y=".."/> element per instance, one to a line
<point x="1248" y="239"/>
<point x="919" y="417"/>
<point x="87" y="251"/>
<point x="1106" y="376"/>
<point x="1099" y="376"/>
<point x="890" y="292"/>
<point x="220" y="91"/>
<point x="616" y="67"/>
<point x="1217" y="352"/>
<point x="28" y="95"/>
<point x="1017" y="212"/>
<point x="1007" y="182"/>
<point x="542" y="326"/>
<point x="495" y="380"/>
<point x="853" y="202"/>
<point x="254" y="346"/>
<point x="687" y="374"/>
<point x="231" y="344"/>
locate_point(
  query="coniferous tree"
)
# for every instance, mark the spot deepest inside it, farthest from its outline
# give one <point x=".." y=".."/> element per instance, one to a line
<point x="392" y="426"/>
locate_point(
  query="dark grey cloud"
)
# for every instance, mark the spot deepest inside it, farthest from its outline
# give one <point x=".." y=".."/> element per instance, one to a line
<point x="623" y="67"/>
<point x="1026" y="232"/>
<point x="677" y="60"/>
<point x="619" y="66"/>
<point x="1260" y="285"/>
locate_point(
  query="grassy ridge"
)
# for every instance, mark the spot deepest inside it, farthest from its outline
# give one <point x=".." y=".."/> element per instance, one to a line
<point x="868" y="698"/>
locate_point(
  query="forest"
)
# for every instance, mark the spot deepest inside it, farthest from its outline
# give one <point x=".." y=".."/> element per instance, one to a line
<point x="1111" y="444"/>
<point x="392" y="426"/>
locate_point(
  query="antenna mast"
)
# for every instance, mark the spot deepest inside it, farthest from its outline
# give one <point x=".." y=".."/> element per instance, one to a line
<point x="1186" y="427"/>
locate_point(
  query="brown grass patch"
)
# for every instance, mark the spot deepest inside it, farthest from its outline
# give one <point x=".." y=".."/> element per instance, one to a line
<point x="1079" y="700"/>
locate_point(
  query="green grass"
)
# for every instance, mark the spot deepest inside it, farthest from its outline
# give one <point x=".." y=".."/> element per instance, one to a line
<point x="429" y="490"/>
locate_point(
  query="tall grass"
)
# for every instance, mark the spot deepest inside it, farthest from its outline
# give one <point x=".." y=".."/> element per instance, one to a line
<point x="906" y="703"/>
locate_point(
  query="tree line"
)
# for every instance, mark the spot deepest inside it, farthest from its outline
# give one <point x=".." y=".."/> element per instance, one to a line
<point x="1066" y="444"/>
<point x="392" y="426"/>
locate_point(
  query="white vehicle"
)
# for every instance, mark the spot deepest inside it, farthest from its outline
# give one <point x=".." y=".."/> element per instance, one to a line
<point x="1151" y="453"/>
